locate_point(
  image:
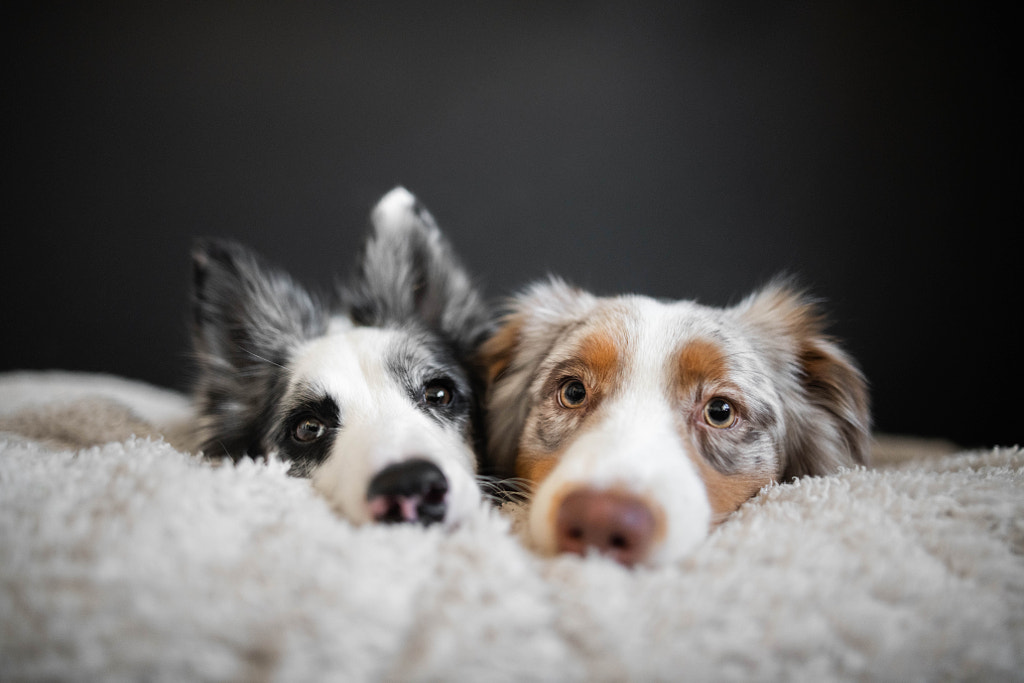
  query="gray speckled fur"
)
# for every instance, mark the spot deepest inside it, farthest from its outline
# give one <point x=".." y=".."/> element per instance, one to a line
<point x="248" y="317"/>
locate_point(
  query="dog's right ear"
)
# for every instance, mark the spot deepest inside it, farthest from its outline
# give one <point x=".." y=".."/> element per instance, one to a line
<point x="535" y="319"/>
<point x="246" y="318"/>
<point x="245" y="312"/>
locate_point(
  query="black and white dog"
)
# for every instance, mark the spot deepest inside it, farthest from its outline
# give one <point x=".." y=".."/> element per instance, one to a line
<point x="372" y="396"/>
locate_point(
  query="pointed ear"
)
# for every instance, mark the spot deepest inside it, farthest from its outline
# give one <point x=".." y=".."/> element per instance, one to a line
<point x="824" y="394"/>
<point x="408" y="270"/>
<point x="536" y="319"/>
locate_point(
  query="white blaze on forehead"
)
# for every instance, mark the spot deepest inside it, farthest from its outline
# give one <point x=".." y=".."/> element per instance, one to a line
<point x="348" y="364"/>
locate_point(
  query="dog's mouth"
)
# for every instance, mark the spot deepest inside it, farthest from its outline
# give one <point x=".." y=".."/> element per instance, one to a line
<point x="413" y="491"/>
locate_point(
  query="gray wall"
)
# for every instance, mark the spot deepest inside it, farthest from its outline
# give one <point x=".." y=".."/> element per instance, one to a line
<point x="680" y="150"/>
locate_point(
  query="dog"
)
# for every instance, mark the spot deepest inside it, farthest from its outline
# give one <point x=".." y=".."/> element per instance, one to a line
<point x="371" y="394"/>
<point x="637" y="425"/>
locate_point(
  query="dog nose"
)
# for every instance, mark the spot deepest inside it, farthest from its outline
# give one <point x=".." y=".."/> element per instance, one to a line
<point x="408" y="491"/>
<point x="614" y="523"/>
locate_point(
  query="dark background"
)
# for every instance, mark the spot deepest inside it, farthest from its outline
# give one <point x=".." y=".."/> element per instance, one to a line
<point x="685" y="150"/>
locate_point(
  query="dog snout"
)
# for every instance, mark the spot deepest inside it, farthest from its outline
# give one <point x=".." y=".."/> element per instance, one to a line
<point x="614" y="523"/>
<point x="409" y="491"/>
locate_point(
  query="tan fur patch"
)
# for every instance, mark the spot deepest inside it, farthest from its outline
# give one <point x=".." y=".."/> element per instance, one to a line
<point x="600" y="354"/>
<point x="700" y="362"/>
<point x="535" y="467"/>
<point x="497" y="352"/>
<point x="727" y="492"/>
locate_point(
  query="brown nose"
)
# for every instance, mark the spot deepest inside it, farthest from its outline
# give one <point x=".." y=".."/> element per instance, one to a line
<point x="611" y="522"/>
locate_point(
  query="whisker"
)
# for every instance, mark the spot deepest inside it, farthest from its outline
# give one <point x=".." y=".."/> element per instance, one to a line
<point x="520" y="484"/>
<point x="505" y="490"/>
<point x="259" y="357"/>
<point x="227" y="454"/>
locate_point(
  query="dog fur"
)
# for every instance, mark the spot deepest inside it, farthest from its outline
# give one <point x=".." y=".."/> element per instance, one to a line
<point x="374" y="382"/>
<point x="634" y="450"/>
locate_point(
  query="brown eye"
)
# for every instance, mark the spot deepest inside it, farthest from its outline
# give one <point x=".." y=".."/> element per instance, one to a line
<point x="438" y="394"/>
<point x="309" y="430"/>
<point x="719" y="413"/>
<point x="572" y="394"/>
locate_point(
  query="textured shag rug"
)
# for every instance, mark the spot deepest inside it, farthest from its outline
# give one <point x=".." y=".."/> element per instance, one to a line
<point x="125" y="558"/>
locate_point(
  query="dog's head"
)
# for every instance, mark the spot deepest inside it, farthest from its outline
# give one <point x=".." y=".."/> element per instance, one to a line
<point x="640" y="424"/>
<point x="372" y="395"/>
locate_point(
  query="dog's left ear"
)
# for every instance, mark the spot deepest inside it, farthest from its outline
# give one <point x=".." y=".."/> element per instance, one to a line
<point x="824" y="394"/>
<point x="407" y="269"/>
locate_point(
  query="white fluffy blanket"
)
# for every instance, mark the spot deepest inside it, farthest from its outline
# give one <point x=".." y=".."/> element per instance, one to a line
<point x="123" y="558"/>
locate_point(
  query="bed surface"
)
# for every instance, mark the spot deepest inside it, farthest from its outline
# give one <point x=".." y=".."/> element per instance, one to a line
<point x="124" y="556"/>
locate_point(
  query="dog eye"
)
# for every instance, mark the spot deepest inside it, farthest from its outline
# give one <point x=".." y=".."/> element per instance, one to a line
<point x="572" y="394"/>
<point x="438" y="394"/>
<point x="719" y="413"/>
<point x="309" y="430"/>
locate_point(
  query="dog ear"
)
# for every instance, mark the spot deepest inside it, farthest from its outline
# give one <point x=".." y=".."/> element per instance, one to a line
<point x="246" y="317"/>
<point x="534" y="321"/>
<point x="824" y="394"/>
<point x="407" y="270"/>
<point x="245" y="312"/>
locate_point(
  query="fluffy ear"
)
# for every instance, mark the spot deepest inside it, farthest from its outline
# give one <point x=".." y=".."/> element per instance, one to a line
<point x="408" y="270"/>
<point x="824" y="394"/>
<point x="245" y="312"/>
<point x="535" y="320"/>
<point x="246" y="317"/>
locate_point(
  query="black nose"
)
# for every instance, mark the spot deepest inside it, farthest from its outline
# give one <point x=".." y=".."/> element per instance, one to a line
<point x="409" y="491"/>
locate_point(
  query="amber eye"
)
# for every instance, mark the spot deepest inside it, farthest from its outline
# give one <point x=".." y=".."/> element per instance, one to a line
<point x="309" y="430"/>
<point x="719" y="413"/>
<point x="438" y="393"/>
<point x="572" y="394"/>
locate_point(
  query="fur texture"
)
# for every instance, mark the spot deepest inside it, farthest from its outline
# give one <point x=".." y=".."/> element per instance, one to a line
<point x="668" y="415"/>
<point x="342" y="389"/>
